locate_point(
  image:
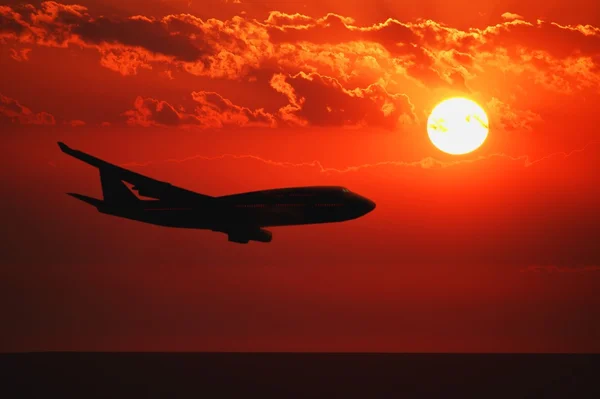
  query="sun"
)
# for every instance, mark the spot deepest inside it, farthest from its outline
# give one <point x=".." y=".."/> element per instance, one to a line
<point x="457" y="126"/>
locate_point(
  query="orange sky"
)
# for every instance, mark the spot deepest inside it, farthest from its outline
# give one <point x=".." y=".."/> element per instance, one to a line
<point x="493" y="251"/>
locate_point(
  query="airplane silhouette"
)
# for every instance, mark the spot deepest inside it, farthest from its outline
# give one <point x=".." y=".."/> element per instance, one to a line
<point x="240" y="216"/>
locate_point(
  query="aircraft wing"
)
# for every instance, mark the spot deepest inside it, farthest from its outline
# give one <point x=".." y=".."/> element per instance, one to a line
<point x="144" y="185"/>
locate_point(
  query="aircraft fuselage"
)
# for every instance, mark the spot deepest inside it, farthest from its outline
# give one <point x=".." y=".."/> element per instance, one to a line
<point x="267" y="208"/>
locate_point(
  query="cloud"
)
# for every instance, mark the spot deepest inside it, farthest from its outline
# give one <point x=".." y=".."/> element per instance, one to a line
<point x="12" y="112"/>
<point x="424" y="163"/>
<point x="212" y="48"/>
<point x="322" y="101"/>
<point x="10" y="24"/>
<point x="123" y="60"/>
<point x="511" y="16"/>
<point x="334" y="29"/>
<point x="313" y="100"/>
<point x="215" y="111"/>
<point x="331" y="70"/>
<point x="562" y="58"/>
<point x="211" y="111"/>
<point x="431" y="52"/>
<point x="510" y="119"/>
<point x="151" y="112"/>
<point x="147" y="33"/>
<point x="59" y="25"/>
<point x="75" y="123"/>
<point x="20" y="55"/>
<point x="409" y="38"/>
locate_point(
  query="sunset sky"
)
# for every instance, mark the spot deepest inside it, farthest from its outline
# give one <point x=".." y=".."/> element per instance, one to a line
<point x="496" y="250"/>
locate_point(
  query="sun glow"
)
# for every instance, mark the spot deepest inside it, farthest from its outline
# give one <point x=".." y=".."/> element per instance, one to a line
<point x="457" y="126"/>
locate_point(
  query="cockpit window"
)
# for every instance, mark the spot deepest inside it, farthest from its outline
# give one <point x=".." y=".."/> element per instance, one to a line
<point x="345" y="190"/>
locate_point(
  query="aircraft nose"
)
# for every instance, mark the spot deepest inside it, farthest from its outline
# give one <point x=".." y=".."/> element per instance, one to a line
<point x="372" y="205"/>
<point x="368" y="205"/>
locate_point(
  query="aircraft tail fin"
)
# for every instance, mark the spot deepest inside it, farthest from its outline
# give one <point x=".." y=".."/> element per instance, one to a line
<point x="116" y="192"/>
<point x="113" y="188"/>
<point x="82" y="156"/>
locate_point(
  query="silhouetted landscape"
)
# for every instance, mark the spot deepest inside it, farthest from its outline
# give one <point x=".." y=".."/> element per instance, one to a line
<point x="303" y="374"/>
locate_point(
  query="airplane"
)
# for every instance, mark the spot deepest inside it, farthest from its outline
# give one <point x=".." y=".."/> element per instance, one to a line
<point x="243" y="217"/>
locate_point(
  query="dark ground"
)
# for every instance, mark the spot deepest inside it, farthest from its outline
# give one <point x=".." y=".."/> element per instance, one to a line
<point x="285" y="375"/>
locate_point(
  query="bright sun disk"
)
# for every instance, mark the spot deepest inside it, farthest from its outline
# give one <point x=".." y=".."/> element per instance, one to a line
<point x="457" y="126"/>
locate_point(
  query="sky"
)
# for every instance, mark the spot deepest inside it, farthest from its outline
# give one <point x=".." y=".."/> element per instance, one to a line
<point x="492" y="251"/>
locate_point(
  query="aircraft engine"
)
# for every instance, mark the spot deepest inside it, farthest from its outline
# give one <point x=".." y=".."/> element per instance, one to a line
<point x="262" y="236"/>
<point x="243" y="237"/>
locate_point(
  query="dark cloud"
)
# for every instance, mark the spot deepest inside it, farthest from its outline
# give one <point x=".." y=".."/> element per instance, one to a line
<point x="12" y="112"/>
<point x="334" y="29"/>
<point x="20" y="55"/>
<point x="151" y="112"/>
<point x="212" y="111"/>
<point x="216" y="111"/>
<point x="510" y="119"/>
<point x="427" y="51"/>
<point x="75" y="123"/>
<point x="142" y="32"/>
<point x="314" y="100"/>
<point x="9" y="24"/>
<point x="333" y="71"/>
<point x="322" y="101"/>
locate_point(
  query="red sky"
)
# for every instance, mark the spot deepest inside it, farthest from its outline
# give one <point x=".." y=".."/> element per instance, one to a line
<point x="495" y="251"/>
